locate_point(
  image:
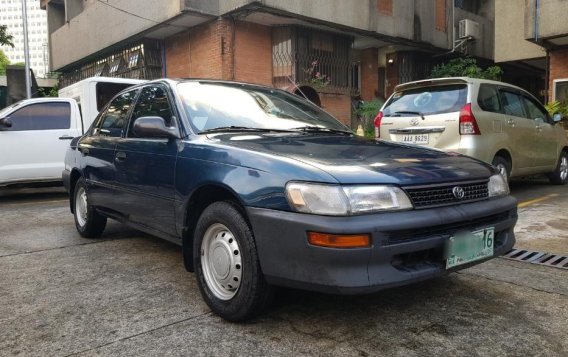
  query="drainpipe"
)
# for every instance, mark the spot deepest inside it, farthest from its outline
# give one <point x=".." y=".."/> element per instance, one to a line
<point x="536" y="6"/>
<point x="453" y="25"/>
<point x="547" y="77"/>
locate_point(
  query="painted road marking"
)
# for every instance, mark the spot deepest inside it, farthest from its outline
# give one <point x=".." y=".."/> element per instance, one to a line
<point x="536" y="200"/>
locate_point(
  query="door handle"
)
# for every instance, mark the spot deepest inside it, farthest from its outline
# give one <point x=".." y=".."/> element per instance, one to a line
<point x="120" y="156"/>
<point x="66" y="137"/>
<point x="511" y="122"/>
<point x="539" y="128"/>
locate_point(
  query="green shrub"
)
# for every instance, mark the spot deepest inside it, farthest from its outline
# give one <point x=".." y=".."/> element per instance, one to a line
<point x="466" y="67"/>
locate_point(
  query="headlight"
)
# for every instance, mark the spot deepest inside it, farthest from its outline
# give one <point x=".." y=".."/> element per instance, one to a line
<point x="497" y="186"/>
<point x="342" y="201"/>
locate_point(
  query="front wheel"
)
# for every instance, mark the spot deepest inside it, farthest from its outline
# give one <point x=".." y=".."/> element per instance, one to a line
<point x="560" y="175"/>
<point x="227" y="265"/>
<point x="89" y="223"/>
<point x="503" y="165"/>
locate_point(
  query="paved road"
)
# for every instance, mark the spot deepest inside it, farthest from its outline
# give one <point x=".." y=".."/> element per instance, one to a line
<point x="128" y="294"/>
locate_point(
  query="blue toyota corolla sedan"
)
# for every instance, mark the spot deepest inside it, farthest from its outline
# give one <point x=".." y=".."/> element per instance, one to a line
<point x="261" y="188"/>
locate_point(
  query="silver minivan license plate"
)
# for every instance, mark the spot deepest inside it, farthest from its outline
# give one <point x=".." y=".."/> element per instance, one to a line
<point x="415" y="138"/>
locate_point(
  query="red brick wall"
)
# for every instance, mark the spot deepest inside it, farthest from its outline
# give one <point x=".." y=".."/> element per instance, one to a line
<point x="253" y="53"/>
<point x="369" y="73"/>
<point x="338" y="105"/>
<point x="177" y="55"/>
<point x="558" y="68"/>
<point x="205" y="51"/>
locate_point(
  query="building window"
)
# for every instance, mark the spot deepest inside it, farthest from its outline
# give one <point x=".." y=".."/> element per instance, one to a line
<point x="560" y="90"/>
<point x="384" y="7"/>
<point x="302" y="55"/>
<point x="473" y="6"/>
<point x="141" y="60"/>
<point x="441" y="23"/>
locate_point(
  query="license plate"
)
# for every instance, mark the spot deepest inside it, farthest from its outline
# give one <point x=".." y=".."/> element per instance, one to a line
<point x="415" y="139"/>
<point x="466" y="247"/>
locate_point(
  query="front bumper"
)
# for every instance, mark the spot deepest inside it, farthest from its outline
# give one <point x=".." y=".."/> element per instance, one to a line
<point x="406" y="246"/>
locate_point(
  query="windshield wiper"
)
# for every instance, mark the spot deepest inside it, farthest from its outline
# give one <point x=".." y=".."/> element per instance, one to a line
<point x="317" y="129"/>
<point x="410" y="112"/>
<point x="233" y="128"/>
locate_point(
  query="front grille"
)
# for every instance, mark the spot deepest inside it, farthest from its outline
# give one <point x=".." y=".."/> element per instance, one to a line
<point x="435" y="196"/>
<point x="446" y="230"/>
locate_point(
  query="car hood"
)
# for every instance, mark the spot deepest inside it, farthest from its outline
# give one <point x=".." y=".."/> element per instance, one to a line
<point x="352" y="160"/>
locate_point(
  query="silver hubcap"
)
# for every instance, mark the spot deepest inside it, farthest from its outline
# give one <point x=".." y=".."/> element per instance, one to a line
<point x="502" y="170"/>
<point x="81" y="206"/>
<point x="221" y="261"/>
<point x="563" y="168"/>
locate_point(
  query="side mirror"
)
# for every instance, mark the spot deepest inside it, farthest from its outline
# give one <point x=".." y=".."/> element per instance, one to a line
<point x="5" y="124"/>
<point x="153" y="127"/>
<point x="556" y="117"/>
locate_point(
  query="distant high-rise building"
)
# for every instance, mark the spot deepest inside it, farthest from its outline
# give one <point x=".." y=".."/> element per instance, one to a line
<point x="11" y="15"/>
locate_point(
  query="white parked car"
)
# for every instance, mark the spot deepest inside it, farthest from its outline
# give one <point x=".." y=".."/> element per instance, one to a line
<point x="35" y="133"/>
<point x="492" y="121"/>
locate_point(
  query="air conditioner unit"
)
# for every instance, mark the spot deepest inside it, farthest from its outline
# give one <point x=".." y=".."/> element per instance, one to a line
<point x="469" y="29"/>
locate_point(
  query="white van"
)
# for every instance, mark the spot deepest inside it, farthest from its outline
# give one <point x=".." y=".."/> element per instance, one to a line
<point x="93" y="93"/>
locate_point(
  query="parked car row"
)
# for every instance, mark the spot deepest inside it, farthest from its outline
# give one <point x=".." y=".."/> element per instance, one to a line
<point x="262" y="188"/>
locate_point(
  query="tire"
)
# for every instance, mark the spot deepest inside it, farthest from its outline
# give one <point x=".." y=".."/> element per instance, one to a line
<point x="226" y="264"/>
<point x="89" y="223"/>
<point x="560" y="175"/>
<point x="504" y="167"/>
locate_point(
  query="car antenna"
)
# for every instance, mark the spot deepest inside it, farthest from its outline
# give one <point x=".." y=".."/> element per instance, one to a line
<point x="298" y="88"/>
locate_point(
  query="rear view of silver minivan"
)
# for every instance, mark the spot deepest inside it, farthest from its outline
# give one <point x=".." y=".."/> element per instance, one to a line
<point x="492" y="121"/>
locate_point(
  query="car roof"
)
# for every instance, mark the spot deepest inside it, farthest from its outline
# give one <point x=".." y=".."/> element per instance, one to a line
<point x="451" y="80"/>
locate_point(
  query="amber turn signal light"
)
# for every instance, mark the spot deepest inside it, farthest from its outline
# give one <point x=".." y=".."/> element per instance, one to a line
<point x="339" y="240"/>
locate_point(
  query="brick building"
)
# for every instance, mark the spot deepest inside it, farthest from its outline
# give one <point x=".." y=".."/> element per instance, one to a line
<point x="330" y="50"/>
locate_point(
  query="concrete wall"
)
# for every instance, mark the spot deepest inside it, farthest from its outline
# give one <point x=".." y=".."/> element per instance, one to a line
<point x="362" y="15"/>
<point x="99" y="26"/>
<point x="510" y="43"/>
<point x="483" y="47"/>
<point x="551" y="20"/>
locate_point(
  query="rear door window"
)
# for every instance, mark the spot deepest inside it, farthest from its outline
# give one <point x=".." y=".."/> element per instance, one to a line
<point x="42" y="116"/>
<point x="512" y="104"/>
<point x="113" y="120"/>
<point x="428" y="100"/>
<point x="488" y="98"/>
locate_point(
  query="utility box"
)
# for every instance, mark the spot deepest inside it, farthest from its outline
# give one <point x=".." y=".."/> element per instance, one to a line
<point x="469" y="29"/>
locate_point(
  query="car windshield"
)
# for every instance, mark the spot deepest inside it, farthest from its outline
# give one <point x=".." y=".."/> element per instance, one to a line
<point x="218" y="106"/>
<point x="427" y="100"/>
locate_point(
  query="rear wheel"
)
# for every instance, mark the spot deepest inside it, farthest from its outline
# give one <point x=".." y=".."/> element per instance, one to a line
<point x="503" y="165"/>
<point x="226" y="264"/>
<point x="89" y="223"/>
<point x="560" y="175"/>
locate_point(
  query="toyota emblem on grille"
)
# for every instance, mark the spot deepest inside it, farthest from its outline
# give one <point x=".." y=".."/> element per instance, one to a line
<point x="458" y="192"/>
<point x="414" y="121"/>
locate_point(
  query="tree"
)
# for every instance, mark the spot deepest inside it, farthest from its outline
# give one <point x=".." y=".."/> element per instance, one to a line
<point x="5" y="38"/>
<point x="466" y="67"/>
<point x="4" y="62"/>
